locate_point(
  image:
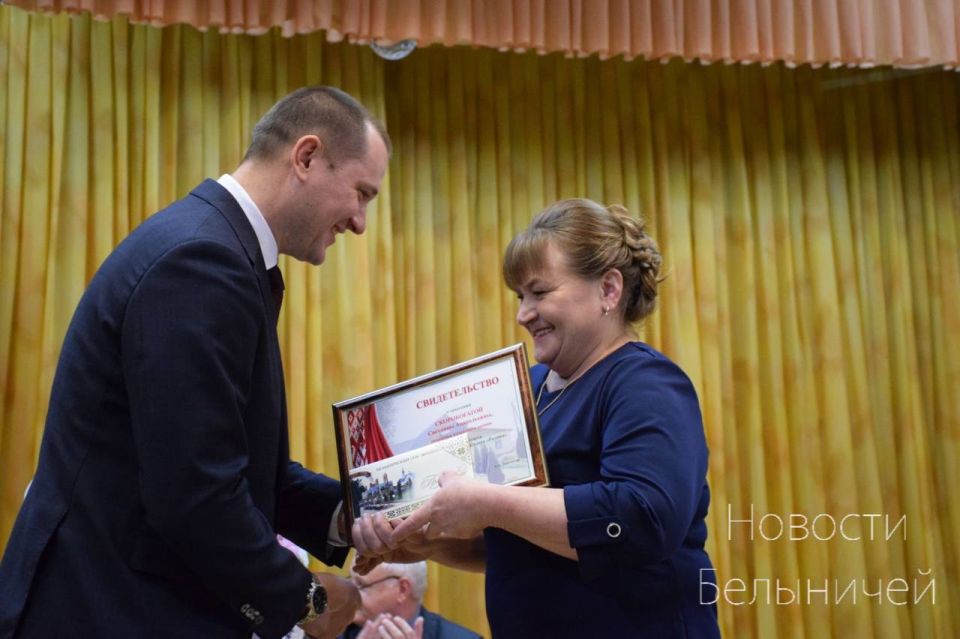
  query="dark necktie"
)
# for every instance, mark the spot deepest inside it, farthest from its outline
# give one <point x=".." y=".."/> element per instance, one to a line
<point x="276" y="287"/>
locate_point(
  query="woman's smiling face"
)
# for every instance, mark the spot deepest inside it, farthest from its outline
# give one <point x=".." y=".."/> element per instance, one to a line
<point x="562" y="311"/>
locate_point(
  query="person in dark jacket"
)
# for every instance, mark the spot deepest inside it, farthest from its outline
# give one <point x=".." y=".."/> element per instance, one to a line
<point x="164" y="473"/>
<point x="615" y="546"/>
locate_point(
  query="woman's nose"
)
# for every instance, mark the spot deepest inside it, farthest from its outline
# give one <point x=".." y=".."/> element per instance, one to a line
<point x="525" y="313"/>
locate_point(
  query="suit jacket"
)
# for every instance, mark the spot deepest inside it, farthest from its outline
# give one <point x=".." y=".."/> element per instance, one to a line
<point x="434" y="627"/>
<point x="164" y="472"/>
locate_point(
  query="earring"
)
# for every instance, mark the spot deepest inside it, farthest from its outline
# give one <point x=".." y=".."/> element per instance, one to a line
<point x="606" y="310"/>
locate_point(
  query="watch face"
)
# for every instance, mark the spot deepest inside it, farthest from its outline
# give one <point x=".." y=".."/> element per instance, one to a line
<point x="319" y="601"/>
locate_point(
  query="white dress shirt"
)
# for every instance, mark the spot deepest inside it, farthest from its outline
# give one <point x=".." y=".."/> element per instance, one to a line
<point x="268" y="243"/>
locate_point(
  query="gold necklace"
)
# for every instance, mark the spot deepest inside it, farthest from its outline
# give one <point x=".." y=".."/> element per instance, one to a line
<point x="554" y="400"/>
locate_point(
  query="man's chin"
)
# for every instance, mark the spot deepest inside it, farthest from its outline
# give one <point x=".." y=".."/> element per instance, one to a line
<point x="321" y="251"/>
<point x="318" y="257"/>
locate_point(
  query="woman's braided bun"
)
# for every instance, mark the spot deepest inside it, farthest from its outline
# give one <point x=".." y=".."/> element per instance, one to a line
<point x="594" y="239"/>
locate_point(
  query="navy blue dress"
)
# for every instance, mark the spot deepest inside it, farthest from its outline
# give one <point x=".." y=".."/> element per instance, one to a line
<point x="626" y="444"/>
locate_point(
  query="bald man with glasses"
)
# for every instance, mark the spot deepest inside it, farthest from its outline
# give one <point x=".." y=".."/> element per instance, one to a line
<point x="392" y="607"/>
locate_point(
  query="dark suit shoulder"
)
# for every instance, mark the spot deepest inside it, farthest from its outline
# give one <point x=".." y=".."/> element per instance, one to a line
<point x="183" y="221"/>
<point x="437" y="627"/>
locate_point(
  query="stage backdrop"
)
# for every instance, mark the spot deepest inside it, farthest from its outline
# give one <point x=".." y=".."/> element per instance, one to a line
<point x="809" y="219"/>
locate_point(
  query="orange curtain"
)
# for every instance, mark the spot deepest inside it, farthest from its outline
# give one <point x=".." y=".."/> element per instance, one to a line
<point x="809" y="219"/>
<point x="860" y="33"/>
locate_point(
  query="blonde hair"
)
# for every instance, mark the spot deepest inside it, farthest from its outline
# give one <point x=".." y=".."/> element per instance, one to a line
<point x="593" y="239"/>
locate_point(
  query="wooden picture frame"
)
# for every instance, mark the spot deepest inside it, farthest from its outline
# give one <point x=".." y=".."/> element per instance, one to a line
<point x="477" y="418"/>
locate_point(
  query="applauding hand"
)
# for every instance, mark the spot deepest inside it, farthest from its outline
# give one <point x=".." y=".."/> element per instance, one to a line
<point x="387" y="626"/>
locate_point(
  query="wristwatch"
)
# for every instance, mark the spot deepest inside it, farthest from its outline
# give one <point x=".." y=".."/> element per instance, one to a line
<point x="316" y="602"/>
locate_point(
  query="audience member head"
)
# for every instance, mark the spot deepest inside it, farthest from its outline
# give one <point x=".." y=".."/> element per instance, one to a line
<point x="395" y="589"/>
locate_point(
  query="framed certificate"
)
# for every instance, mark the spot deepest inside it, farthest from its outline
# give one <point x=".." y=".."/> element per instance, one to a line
<point x="476" y="418"/>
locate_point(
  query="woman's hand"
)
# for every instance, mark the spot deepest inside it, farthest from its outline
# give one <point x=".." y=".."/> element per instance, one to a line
<point x="447" y="528"/>
<point x="460" y="509"/>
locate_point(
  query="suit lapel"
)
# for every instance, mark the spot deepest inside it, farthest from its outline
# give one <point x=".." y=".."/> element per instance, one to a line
<point x="218" y="197"/>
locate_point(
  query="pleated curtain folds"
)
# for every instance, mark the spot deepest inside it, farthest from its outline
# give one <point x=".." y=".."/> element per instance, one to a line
<point x="847" y="32"/>
<point x="809" y="221"/>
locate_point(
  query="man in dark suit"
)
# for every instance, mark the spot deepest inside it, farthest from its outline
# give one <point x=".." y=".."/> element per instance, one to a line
<point x="164" y="474"/>
<point x="392" y="606"/>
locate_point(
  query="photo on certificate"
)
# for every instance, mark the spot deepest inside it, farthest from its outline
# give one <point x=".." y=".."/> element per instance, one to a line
<point x="476" y="418"/>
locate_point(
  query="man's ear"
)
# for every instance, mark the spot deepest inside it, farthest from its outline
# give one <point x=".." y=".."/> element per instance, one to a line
<point x="305" y="154"/>
<point x="406" y="587"/>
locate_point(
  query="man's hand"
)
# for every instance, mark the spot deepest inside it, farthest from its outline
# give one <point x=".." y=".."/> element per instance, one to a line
<point x="343" y="599"/>
<point x="387" y="626"/>
<point x="371" y="535"/>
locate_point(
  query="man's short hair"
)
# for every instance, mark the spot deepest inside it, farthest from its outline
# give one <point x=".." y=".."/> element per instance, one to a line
<point x="416" y="573"/>
<point x="327" y="112"/>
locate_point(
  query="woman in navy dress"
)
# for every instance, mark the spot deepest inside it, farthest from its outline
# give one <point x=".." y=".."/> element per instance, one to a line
<point x="615" y="547"/>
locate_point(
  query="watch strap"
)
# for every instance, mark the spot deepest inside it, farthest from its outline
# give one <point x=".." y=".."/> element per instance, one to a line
<point x="316" y="603"/>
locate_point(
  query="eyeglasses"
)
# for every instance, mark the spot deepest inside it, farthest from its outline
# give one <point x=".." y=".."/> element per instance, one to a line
<point x="374" y="583"/>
